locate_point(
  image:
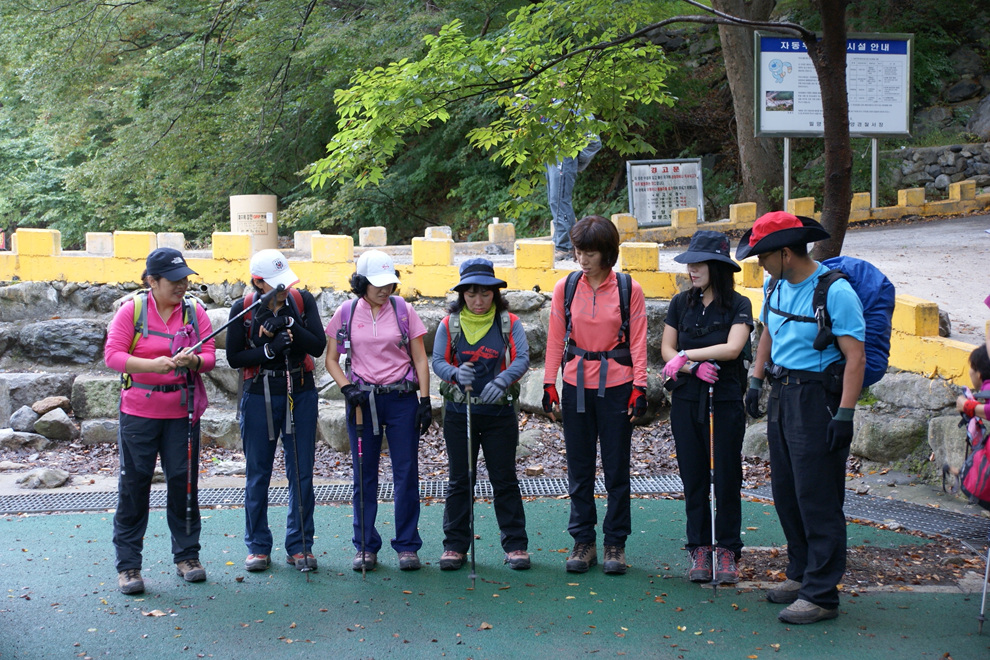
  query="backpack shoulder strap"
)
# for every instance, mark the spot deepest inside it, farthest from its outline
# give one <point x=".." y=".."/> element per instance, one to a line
<point x="624" y="280"/>
<point x="819" y="301"/>
<point x="190" y="312"/>
<point x="570" y="286"/>
<point x="453" y="323"/>
<point x="140" y="317"/>
<point x="402" y="319"/>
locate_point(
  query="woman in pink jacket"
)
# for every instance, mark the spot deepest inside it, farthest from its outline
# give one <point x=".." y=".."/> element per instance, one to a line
<point x="156" y="417"/>
<point x="603" y="349"/>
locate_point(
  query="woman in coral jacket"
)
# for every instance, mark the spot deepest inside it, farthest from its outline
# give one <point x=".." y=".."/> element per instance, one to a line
<point x="604" y="374"/>
<point x="155" y="415"/>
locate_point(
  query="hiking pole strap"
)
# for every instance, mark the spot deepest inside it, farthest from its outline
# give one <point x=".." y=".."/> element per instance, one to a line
<point x="268" y="410"/>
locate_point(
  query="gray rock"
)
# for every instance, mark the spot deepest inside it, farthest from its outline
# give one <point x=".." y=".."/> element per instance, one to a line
<point x="219" y="317"/>
<point x="908" y="390"/>
<point x="99" y="431"/>
<point x="942" y="182"/>
<point x="755" y="441"/>
<point x="9" y="466"/>
<point x="944" y="324"/>
<point x="95" y="397"/>
<point x="50" y="403"/>
<point x="979" y="121"/>
<point x="224" y="380"/>
<point x="99" y="299"/>
<point x="24" y="419"/>
<point x="656" y="315"/>
<point x="963" y="90"/>
<point x="529" y="441"/>
<point x="26" y="388"/>
<point x="158" y="476"/>
<point x="431" y="318"/>
<point x="28" y="301"/>
<point x="64" y="341"/>
<point x="44" y="478"/>
<point x="966" y="62"/>
<point x="536" y="337"/>
<point x="230" y="468"/>
<point x="523" y="301"/>
<point x="947" y="441"/>
<point x="220" y="428"/>
<point x="5" y="406"/>
<point x="331" y="427"/>
<point x="531" y="390"/>
<point x="12" y="440"/>
<point x="56" y="425"/>
<point x="887" y="438"/>
<point x="935" y="115"/>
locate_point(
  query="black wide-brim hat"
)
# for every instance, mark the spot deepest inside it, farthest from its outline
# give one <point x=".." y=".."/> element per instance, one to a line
<point x="708" y="246"/>
<point x="777" y="230"/>
<point x="478" y="272"/>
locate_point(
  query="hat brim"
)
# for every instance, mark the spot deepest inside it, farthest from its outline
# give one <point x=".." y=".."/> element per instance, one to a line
<point x="286" y="278"/>
<point x="701" y="257"/>
<point x="383" y="279"/>
<point x="810" y="232"/>
<point x="176" y="274"/>
<point x="479" y="280"/>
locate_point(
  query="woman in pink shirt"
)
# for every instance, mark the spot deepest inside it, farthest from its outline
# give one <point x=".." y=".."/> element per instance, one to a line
<point x="604" y="374"/>
<point x="388" y="378"/>
<point x="155" y="414"/>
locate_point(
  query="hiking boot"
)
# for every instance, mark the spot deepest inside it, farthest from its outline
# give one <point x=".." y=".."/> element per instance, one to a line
<point x="256" y="563"/>
<point x="726" y="571"/>
<point x="130" y="582"/>
<point x="615" y="560"/>
<point x="190" y="570"/>
<point x="701" y="564"/>
<point x="785" y="592"/>
<point x="409" y="561"/>
<point x="802" y="611"/>
<point x="583" y="556"/>
<point x="365" y="560"/>
<point x="302" y="562"/>
<point x="451" y="560"/>
<point x="518" y="560"/>
<point x="563" y="255"/>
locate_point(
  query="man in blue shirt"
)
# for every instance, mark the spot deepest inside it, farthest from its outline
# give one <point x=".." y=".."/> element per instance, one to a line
<point x="813" y="396"/>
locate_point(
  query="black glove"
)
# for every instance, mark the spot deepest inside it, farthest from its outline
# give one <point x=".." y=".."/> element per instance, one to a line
<point x="279" y="344"/>
<point x="273" y="324"/>
<point x="637" y="401"/>
<point x="354" y="396"/>
<point x="493" y="391"/>
<point x="465" y="374"/>
<point x="840" y="430"/>
<point x="752" y="399"/>
<point x="424" y="415"/>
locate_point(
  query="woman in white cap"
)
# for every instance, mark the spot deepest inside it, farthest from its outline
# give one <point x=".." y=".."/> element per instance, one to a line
<point x="274" y="347"/>
<point x="481" y="346"/>
<point x="156" y="414"/>
<point x="707" y="329"/>
<point x="386" y="375"/>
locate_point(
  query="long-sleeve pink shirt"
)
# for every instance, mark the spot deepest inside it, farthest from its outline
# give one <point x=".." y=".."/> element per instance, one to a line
<point x="135" y="400"/>
<point x="595" y="322"/>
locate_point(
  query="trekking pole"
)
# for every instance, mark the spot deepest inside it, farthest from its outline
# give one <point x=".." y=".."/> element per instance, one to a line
<point x="983" y="603"/>
<point x="190" y="389"/>
<point x="359" y="427"/>
<point x="262" y="301"/>
<point x="470" y="454"/>
<point x="711" y="480"/>
<point x="291" y="423"/>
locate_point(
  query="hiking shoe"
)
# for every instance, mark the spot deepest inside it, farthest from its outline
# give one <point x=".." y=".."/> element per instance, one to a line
<point x="802" y="611"/>
<point x="615" y="560"/>
<point x="302" y="562"/>
<point x="190" y="570"/>
<point x="726" y="571"/>
<point x="409" y="561"/>
<point x="365" y="560"/>
<point x="701" y="564"/>
<point x="563" y="255"/>
<point x="518" y="560"/>
<point x="130" y="582"/>
<point x="255" y="562"/>
<point x="785" y="592"/>
<point x="583" y="556"/>
<point x="451" y="560"/>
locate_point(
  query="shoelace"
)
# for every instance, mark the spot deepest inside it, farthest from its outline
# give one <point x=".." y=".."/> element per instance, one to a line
<point x="702" y="558"/>
<point x="726" y="561"/>
<point x="613" y="553"/>
<point x="132" y="574"/>
<point x="581" y="550"/>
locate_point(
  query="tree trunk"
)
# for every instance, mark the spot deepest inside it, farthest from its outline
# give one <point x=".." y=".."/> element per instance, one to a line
<point x="760" y="166"/>
<point x="829" y="58"/>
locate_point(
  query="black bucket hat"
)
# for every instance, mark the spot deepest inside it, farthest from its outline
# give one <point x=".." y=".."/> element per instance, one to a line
<point x="478" y="272"/>
<point x="777" y="230"/>
<point x="708" y="246"/>
<point x="168" y="263"/>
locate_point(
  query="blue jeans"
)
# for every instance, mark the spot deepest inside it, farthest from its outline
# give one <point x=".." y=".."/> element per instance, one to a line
<point x="397" y="419"/>
<point x="560" y="185"/>
<point x="259" y="453"/>
<point x="140" y="441"/>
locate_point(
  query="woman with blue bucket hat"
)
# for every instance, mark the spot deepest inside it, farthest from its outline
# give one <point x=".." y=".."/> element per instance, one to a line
<point x="480" y="351"/>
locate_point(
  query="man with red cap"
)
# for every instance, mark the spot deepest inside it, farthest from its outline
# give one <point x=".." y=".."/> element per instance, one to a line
<point x="813" y="393"/>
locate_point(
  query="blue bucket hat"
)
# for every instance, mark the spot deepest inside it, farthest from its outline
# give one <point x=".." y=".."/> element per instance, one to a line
<point x="478" y="271"/>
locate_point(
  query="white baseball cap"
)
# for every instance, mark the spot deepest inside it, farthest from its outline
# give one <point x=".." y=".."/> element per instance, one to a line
<point x="378" y="267"/>
<point x="273" y="268"/>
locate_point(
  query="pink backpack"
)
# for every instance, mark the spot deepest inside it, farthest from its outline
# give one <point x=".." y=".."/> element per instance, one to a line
<point x="975" y="473"/>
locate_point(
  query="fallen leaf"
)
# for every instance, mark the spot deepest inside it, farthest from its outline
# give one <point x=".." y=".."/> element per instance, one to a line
<point x="154" y="613"/>
<point x="485" y="626"/>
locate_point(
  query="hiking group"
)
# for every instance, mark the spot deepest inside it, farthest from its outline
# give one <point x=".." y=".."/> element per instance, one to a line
<point x="813" y="353"/>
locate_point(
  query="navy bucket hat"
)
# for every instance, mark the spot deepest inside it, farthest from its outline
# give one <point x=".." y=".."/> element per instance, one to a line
<point x="708" y="246"/>
<point x="478" y="271"/>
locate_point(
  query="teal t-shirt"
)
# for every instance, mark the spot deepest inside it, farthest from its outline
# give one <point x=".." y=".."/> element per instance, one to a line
<point x="792" y="340"/>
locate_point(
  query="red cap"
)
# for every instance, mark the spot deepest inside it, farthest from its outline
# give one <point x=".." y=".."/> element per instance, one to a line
<point x="771" y="222"/>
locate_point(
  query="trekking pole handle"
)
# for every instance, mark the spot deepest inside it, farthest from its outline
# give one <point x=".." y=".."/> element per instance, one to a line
<point x="263" y="300"/>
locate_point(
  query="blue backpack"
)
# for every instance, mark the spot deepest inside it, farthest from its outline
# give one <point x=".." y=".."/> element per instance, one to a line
<point x="876" y="293"/>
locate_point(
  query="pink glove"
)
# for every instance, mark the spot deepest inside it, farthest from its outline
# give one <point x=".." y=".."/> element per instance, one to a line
<point x="671" y="368"/>
<point x="706" y="371"/>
